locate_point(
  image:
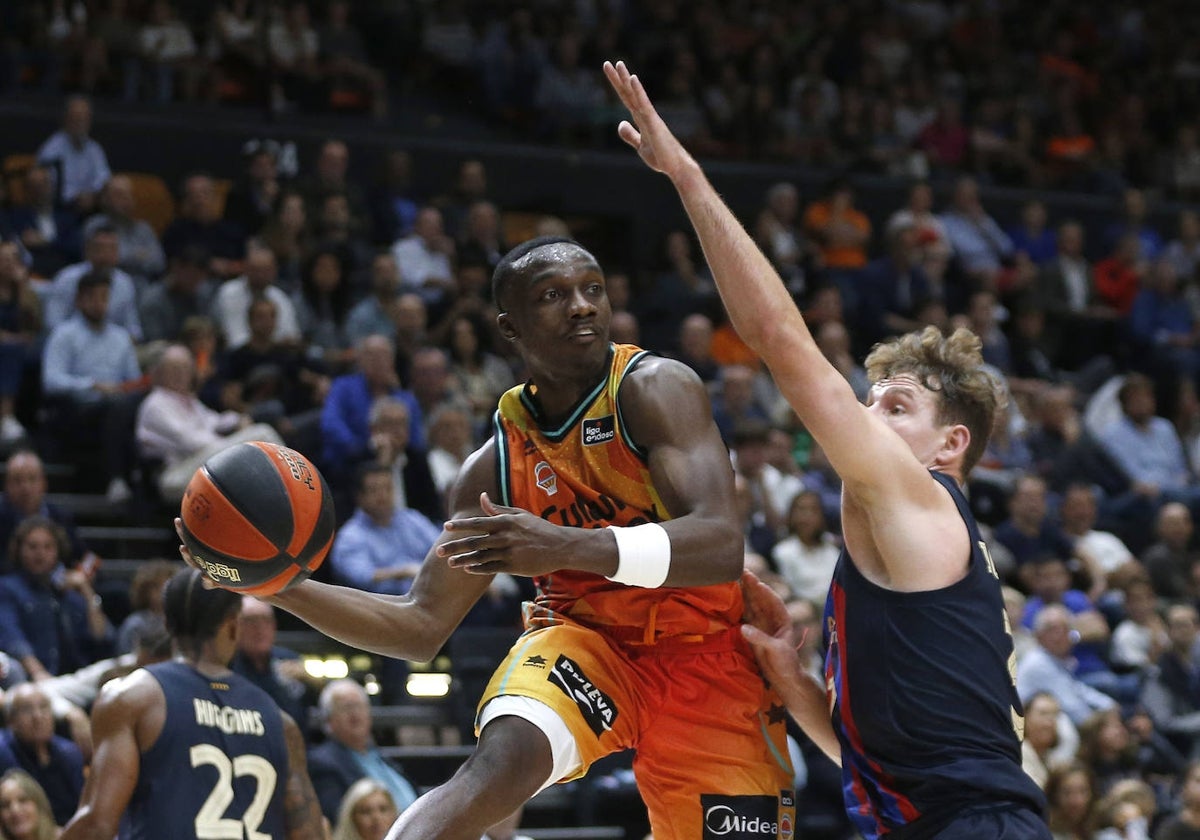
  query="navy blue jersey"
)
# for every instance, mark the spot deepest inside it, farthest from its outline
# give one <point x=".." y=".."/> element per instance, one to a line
<point x="220" y="767"/>
<point x="923" y="697"/>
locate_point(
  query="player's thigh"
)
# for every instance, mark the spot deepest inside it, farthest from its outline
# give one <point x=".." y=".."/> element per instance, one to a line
<point x="582" y="679"/>
<point x="713" y="758"/>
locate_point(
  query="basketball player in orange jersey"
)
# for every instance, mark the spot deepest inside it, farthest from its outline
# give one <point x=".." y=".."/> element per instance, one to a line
<point x="607" y="482"/>
<point x="919" y="704"/>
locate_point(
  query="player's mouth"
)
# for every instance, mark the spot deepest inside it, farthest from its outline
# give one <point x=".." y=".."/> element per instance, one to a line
<point x="583" y="335"/>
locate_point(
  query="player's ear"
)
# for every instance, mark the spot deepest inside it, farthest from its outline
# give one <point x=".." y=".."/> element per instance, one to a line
<point x="958" y="438"/>
<point x="506" y="326"/>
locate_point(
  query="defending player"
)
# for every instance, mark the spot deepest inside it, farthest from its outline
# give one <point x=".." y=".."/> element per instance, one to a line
<point x="925" y="718"/>
<point x="188" y="749"/>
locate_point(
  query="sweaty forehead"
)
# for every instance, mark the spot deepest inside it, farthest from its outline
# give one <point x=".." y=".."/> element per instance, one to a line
<point x="557" y="257"/>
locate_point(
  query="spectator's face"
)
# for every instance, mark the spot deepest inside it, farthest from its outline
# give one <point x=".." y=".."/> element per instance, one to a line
<point x="373" y="815"/>
<point x="1075" y="797"/>
<point x="18" y="812"/>
<point x="201" y="198"/>
<point x="385" y="278"/>
<point x="11" y="269"/>
<point x="39" y="189"/>
<point x="1028" y="502"/>
<point x="428" y="224"/>
<point x="1070" y="240"/>
<point x="256" y="628"/>
<point x="350" y="717"/>
<point x="377" y="496"/>
<point x="1175" y="525"/>
<point x="472" y="280"/>
<point x="1078" y="510"/>
<point x="1135" y="205"/>
<point x="25" y="483"/>
<point x="177" y="371"/>
<point x="1182" y="627"/>
<point x="751" y="457"/>
<point x="262" y="167"/>
<point x="1055" y="635"/>
<point x="483" y="221"/>
<point x="376" y="362"/>
<point x="428" y="373"/>
<point x="1140" y="602"/>
<point x="38" y="553"/>
<point x="262" y="320"/>
<point x="326" y="273"/>
<point x="737" y="387"/>
<point x="260" y="269"/>
<point x="120" y="197"/>
<point x="921" y="199"/>
<point x="463" y="339"/>
<point x="103" y="251"/>
<point x="333" y="162"/>
<point x="695" y="337"/>
<point x="1051" y="580"/>
<point x="1034" y="215"/>
<point x="292" y="215"/>
<point x="393" y="421"/>
<point x="1113" y="736"/>
<point x="32" y="722"/>
<point x="410" y="315"/>
<point x="472" y="178"/>
<point x="806" y="518"/>
<point x="93" y="303"/>
<point x="1041" y="722"/>
<point x="451" y="432"/>
<point x="335" y="213"/>
<point x="78" y="119"/>
<point x="1191" y="788"/>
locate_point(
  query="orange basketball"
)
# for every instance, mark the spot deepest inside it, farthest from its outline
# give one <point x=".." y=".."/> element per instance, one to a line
<point x="259" y="517"/>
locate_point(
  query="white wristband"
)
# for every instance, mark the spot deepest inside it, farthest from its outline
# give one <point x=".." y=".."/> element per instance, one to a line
<point x="643" y="555"/>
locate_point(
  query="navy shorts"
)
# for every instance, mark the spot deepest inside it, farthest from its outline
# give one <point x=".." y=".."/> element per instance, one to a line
<point x="1006" y="823"/>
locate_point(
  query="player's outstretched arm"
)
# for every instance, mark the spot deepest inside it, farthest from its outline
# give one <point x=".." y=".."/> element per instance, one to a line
<point x="302" y="812"/>
<point x="768" y="630"/>
<point x="666" y="410"/>
<point x="759" y="304"/>
<point x="115" y="762"/>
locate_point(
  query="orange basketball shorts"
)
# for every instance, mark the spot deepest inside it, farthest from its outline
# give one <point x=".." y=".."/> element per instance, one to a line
<point x="710" y="740"/>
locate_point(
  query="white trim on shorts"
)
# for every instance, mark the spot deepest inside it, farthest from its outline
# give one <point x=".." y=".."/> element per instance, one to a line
<point x="563" y="749"/>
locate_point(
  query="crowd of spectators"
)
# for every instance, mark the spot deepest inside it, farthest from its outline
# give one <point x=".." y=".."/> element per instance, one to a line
<point x="353" y="321"/>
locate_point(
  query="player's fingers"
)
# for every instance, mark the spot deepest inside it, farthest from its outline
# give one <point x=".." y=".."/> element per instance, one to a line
<point x="629" y="134"/>
<point x="478" y="524"/>
<point x="466" y="545"/>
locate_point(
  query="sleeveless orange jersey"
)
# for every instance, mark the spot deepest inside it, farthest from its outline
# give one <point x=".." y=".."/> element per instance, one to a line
<point x="588" y="473"/>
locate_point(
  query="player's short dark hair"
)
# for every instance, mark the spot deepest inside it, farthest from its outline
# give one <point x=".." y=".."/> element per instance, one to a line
<point x="506" y="271"/>
<point x="193" y="612"/>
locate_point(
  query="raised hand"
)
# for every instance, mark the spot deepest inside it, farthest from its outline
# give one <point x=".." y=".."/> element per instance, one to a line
<point x="648" y="134"/>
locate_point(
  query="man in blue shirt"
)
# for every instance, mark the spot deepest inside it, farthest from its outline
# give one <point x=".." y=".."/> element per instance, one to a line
<point x="382" y="545"/>
<point x="78" y="160"/>
<point x="89" y="371"/>
<point x="101" y="253"/>
<point x="1147" y="448"/>
<point x="29" y="742"/>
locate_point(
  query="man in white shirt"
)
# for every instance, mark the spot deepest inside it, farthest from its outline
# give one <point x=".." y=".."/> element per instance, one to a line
<point x="1078" y="514"/>
<point x="231" y="307"/>
<point x="423" y="257"/>
<point x="172" y="424"/>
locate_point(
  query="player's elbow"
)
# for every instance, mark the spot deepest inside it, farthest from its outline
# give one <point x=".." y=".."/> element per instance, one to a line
<point x="89" y="823"/>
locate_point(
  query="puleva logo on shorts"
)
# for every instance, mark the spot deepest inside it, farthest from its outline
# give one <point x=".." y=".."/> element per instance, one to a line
<point x="545" y="477"/>
<point x="740" y="817"/>
<point x="599" y="430"/>
<point x="597" y="707"/>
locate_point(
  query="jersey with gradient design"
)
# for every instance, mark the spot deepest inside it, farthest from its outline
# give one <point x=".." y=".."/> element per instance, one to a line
<point x="923" y="698"/>
<point x="588" y="473"/>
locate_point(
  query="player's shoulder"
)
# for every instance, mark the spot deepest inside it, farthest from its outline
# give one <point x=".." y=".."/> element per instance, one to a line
<point x="477" y="475"/>
<point x="134" y="693"/>
<point x="659" y="376"/>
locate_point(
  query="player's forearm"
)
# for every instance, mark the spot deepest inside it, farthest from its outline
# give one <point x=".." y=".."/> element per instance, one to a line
<point x="88" y="824"/>
<point x="382" y="624"/>
<point x="808" y="704"/>
<point x="756" y="299"/>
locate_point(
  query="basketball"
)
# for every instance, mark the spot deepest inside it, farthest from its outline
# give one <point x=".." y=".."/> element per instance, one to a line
<point x="259" y="517"/>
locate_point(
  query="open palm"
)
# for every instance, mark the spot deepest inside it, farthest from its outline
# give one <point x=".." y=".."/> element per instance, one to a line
<point x="647" y="134"/>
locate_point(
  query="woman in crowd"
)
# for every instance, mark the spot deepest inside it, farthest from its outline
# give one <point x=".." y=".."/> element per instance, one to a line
<point x="1184" y="824"/>
<point x="806" y="556"/>
<point x="1069" y="794"/>
<point x="322" y="306"/>
<point x="366" y="813"/>
<point x="1050" y="738"/>
<point x="24" y="809"/>
<point x="145" y="601"/>
<point x="482" y="376"/>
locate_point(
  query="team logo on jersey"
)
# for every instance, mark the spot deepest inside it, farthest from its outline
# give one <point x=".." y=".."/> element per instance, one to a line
<point x="741" y="817"/>
<point x="599" y="430"/>
<point x="546" y="478"/>
<point x="535" y="661"/>
<point x="598" y="710"/>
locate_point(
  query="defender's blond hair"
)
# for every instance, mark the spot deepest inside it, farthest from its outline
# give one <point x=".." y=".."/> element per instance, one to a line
<point x="951" y="367"/>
